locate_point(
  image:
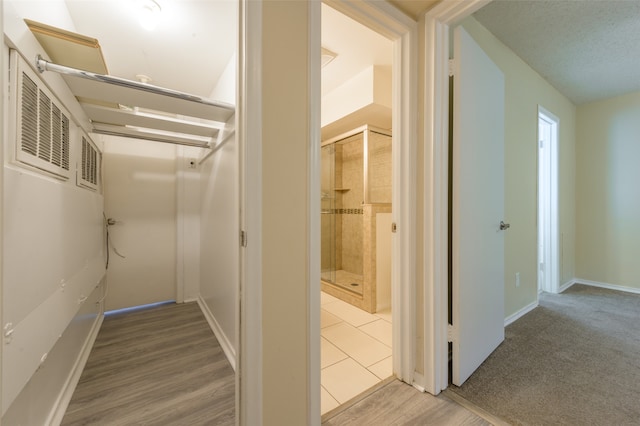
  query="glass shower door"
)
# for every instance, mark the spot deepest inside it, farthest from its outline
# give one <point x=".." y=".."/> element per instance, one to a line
<point x="327" y="215"/>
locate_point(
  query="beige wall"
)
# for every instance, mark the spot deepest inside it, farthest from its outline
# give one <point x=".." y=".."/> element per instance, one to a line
<point x="285" y="242"/>
<point x="524" y="91"/>
<point x="607" y="191"/>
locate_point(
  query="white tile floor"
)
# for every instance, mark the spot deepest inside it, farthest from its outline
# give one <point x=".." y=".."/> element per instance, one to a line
<point x="355" y="350"/>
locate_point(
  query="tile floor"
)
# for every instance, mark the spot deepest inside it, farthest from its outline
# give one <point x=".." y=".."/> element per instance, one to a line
<point x="355" y="350"/>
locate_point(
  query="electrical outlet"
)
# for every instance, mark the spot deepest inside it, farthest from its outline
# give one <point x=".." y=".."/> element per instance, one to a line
<point x="517" y="279"/>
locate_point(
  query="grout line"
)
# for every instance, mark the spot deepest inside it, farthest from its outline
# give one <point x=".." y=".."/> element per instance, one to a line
<point x="374" y="337"/>
<point x="380" y="382"/>
<point x="330" y="394"/>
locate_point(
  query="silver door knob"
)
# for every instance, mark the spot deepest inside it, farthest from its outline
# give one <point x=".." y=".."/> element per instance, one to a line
<point x="504" y="226"/>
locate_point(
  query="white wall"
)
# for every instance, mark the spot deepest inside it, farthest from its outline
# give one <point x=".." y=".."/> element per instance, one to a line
<point x="188" y="223"/>
<point x="53" y="256"/>
<point x="370" y="86"/>
<point x="140" y="194"/>
<point x="607" y="191"/>
<point x="51" y="386"/>
<point x="220" y="227"/>
<point x="524" y="91"/>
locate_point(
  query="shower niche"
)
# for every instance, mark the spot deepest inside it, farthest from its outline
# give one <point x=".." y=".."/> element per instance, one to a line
<point x="356" y="218"/>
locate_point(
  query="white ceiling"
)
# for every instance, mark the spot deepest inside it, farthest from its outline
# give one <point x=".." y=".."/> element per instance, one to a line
<point x="195" y="39"/>
<point x="187" y="51"/>
<point x="588" y="49"/>
<point x="357" y="47"/>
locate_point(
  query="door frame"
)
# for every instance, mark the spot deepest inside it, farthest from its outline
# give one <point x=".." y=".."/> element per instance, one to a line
<point x="551" y="284"/>
<point x="388" y="21"/>
<point x="437" y="22"/>
<point x="2" y="149"/>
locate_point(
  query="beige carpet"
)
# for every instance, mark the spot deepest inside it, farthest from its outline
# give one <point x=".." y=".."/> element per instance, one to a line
<point x="574" y="360"/>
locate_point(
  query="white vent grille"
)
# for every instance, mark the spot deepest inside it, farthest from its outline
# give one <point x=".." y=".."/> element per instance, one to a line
<point x="42" y="123"/>
<point x="89" y="166"/>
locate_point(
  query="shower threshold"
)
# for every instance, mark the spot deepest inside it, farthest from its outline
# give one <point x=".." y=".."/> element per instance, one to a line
<point x="347" y="280"/>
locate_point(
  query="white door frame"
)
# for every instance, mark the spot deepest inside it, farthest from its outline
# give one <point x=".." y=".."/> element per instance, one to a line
<point x="437" y="22"/>
<point x="2" y="147"/>
<point x="388" y="21"/>
<point x="249" y="133"/>
<point x="551" y="242"/>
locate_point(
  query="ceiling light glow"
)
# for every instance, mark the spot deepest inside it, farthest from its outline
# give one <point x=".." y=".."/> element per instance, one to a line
<point x="149" y="14"/>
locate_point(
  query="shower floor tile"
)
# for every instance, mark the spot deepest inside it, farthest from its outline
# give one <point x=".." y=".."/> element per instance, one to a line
<point x="347" y="379"/>
<point x="327" y="319"/>
<point x="349" y="313"/>
<point x="379" y="330"/>
<point x="327" y="298"/>
<point x="329" y="353"/>
<point x="327" y="402"/>
<point x="382" y="369"/>
<point x="355" y="351"/>
<point x="385" y="315"/>
<point x="358" y="345"/>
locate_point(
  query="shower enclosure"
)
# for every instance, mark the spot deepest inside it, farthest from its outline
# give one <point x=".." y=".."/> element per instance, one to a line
<point x="355" y="196"/>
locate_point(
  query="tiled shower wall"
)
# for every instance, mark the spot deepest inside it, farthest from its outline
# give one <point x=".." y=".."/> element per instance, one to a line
<point x="379" y="168"/>
<point x="349" y="245"/>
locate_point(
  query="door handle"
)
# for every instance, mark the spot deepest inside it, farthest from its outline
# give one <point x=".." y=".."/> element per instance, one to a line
<point x="504" y="226"/>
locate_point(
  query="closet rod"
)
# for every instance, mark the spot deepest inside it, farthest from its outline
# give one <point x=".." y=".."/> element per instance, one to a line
<point x="44" y="65"/>
<point x="150" y="138"/>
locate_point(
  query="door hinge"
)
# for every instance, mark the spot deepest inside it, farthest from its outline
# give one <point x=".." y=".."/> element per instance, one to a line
<point x="394" y="227"/>
<point x="450" y="333"/>
<point x="542" y="267"/>
<point x="541" y="144"/>
<point x="243" y="238"/>
<point x="452" y="68"/>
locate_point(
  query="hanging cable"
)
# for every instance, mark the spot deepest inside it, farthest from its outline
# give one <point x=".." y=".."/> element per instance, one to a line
<point x="115" y="250"/>
<point x="106" y="227"/>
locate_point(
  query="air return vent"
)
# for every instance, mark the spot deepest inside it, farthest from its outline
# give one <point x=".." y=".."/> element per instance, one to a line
<point x="89" y="165"/>
<point x="42" y="131"/>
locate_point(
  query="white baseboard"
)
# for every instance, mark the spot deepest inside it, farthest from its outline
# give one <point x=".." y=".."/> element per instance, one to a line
<point x="62" y="402"/>
<point x="418" y="381"/>
<point x="515" y="316"/>
<point x="626" y="289"/>
<point x="227" y="348"/>
<point x="566" y="285"/>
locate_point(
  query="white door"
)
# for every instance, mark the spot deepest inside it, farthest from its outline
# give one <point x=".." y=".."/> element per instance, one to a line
<point x="477" y="207"/>
<point x="547" y="201"/>
<point x="140" y="196"/>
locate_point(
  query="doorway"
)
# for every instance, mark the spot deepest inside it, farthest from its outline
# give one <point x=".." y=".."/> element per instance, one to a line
<point x="356" y="207"/>
<point x="399" y="31"/>
<point x="547" y="201"/>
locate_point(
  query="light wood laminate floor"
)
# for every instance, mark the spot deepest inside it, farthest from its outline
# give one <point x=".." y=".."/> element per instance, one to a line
<point x="399" y="404"/>
<point x="156" y="366"/>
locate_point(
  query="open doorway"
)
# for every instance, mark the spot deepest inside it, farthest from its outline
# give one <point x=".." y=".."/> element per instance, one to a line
<point x="547" y="201"/>
<point x="356" y="206"/>
<point x="396" y="32"/>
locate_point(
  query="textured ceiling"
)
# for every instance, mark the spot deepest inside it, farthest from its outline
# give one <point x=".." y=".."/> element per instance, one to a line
<point x="588" y="49"/>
